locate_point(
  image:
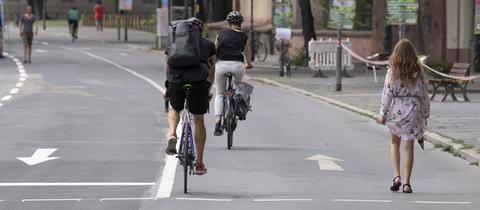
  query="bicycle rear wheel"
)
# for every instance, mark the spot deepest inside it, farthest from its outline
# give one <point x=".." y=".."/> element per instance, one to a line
<point x="230" y="123"/>
<point x="262" y="51"/>
<point x="186" y="156"/>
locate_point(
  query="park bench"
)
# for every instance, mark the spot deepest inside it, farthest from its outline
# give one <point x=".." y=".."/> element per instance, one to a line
<point x="457" y="78"/>
<point x="323" y="56"/>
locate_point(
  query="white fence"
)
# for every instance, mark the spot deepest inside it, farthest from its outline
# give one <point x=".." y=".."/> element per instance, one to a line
<point x="323" y="54"/>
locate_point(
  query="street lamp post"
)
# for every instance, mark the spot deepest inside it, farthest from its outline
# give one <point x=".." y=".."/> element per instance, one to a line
<point x="252" y="55"/>
<point x="44" y="14"/>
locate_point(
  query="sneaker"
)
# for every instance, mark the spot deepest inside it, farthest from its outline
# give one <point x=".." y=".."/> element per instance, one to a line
<point x="171" y="146"/>
<point x="218" y="129"/>
<point x="200" y="169"/>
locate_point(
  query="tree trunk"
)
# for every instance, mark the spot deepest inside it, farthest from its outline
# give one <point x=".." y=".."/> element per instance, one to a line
<point x="37" y="7"/>
<point x="307" y="22"/>
<point x="202" y="13"/>
<point x="217" y="10"/>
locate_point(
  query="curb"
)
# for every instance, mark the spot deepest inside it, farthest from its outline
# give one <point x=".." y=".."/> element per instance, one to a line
<point x="433" y="137"/>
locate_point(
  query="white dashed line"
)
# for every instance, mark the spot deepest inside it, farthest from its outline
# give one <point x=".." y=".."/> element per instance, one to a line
<point x="442" y="202"/>
<point x="204" y="199"/>
<point x="125" y="199"/>
<point x="22" y="79"/>
<point x="50" y="200"/>
<point x="41" y="51"/>
<point x="45" y="43"/>
<point x="19" y="84"/>
<point x="282" y="200"/>
<point x="357" y="200"/>
<point x="13" y="91"/>
<point x="69" y="184"/>
<point x="6" y="98"/>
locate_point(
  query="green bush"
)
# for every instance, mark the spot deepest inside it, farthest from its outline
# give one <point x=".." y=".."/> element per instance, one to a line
<point x="301" y="58"/>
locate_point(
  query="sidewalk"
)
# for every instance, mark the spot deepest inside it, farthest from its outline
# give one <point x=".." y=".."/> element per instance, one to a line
<point x="457" y="121"/>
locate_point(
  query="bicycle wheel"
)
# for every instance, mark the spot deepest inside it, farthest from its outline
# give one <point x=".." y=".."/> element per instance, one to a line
<point x="229" y="121"/>
<point x="186" y="156"/>
<point x="262" y="51"/>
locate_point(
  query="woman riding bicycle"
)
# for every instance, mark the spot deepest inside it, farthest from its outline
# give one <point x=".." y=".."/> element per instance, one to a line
<point x="232" y="52"/>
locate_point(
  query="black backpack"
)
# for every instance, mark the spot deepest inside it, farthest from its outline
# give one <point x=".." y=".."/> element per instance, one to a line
<point x="183" y="44"/>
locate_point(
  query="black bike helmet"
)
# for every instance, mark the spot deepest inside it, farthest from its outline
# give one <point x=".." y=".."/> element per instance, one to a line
<point x="234" y="18"/>
<point x="197" y="22"/>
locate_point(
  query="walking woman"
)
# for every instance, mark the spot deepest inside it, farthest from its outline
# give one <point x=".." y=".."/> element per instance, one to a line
<point x="232" y="51"/>
<point x="405" y="108"/>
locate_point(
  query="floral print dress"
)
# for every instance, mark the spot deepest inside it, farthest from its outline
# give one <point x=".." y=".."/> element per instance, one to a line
<point x="405" y="108"/>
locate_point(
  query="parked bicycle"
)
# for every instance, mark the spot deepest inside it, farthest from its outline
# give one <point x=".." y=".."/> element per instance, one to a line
<point x="260" y="50"/>
<point x="187" y="148"/>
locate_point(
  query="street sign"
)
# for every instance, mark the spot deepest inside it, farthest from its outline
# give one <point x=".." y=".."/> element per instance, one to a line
<point x="342" y="13"/>
<point x="162" y="22"/>
<point x="283" y="33"/>
<point x="125" y="5"/>
<point x="477" y="17"/>
<point x="402" y="12"/>
<point x="283" y="14"/>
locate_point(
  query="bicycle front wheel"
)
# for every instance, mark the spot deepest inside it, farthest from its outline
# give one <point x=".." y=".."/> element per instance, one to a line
<point x="262" y="52"/>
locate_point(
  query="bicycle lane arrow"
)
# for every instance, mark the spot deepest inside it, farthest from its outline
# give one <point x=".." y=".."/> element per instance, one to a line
<point x="326" y="163"/>
<point x="39" y="156"/>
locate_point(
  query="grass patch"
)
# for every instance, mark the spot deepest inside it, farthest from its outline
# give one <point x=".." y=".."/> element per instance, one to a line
<point x="467" y="146"/>
<point x="437" y="146"/>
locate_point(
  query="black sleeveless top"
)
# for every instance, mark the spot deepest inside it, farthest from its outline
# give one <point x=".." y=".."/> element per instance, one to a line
<point x="231" y="44"/>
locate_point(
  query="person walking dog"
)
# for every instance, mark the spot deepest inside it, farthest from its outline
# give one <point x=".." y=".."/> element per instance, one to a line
<point x="405" y="109"/>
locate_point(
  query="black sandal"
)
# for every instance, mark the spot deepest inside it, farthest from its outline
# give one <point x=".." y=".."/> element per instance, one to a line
<point x="409" y="188"/>
<point x="396" y="185"/>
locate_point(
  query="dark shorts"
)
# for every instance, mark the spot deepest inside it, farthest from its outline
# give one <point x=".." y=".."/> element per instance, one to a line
<point x="74" y="23"/>
<point x="27" y="38"/>
<point x="199" y="103"/>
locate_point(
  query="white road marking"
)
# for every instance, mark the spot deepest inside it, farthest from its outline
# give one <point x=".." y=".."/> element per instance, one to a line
<point x="19" y="84"/>
<point x="22" y="79"/>
<point x="442" y="202"/>
<point x="71" y="184"/>
<point x="13" y="91"/>
<point x="204" y="199"/>
<point x="47" y="200"/>
<point x="6" y="98"/>
<point x="39" y="156"/>
<point x="35" y="42"/>
<point x="359" y="200"/>
<point x="45" y="43"/>
<point x="41" y="51"/>
<point x="1" y="105"/>
<point x="168" y="174"/>
<point x="123" y="54"/>
<point x="23" y="75"/>
<point x="282" y="200"/>
<point x="326" y="163"/>
<point x="125" y="199"/>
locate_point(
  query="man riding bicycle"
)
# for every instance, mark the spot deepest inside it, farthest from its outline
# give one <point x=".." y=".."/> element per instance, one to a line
<point x="233" y="50"/>
<point x="73" y="17"/>
<point x="200" y="78"/>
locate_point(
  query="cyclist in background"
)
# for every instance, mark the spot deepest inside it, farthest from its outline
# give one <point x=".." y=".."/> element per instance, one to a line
<point x="232" y="52"/>
<point x="73" y="18"/>
<point x="200" y="78"/>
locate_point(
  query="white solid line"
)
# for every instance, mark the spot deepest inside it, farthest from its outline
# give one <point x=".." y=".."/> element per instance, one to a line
<point x="22" y="79"/>
<point x="21" y="70"/>
<point x="45" y="43"/>
<point x="23" y="75"/>
<point x="204" y="199"/>
<point x="57" y="184"/>
<point x="6" y="98"/>
<point x="19" y="84"/>
<point x="41" y="51"/>
<point x="48" y="199"/>
<point x="125" y="199"/>
<point x="168" y="174"/>
<point x="282" y="200"/>
<point x="442" y="202"/>
<point x="356" y="200"/>
<point x="14" y="91"/>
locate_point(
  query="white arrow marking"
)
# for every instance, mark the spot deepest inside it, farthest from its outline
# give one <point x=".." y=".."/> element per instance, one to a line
<point x="326" y="163"/>
<point x="41" y="155"/>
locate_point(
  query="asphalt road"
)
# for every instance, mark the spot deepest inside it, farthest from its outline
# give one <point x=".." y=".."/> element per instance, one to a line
<point x="99" y="108"/>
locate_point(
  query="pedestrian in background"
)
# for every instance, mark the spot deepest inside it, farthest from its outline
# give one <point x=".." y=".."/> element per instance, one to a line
<point x="27" y="22"/>
<point x="405" y="108"/>
<point x="1" y="35"/>
<point x="98" y="11"/>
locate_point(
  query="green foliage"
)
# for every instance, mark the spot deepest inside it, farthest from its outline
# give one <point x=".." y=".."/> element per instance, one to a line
<point x="300" y="59"/>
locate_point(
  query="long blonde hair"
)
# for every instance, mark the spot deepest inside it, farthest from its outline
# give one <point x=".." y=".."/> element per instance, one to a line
<point x="404" y="63"/>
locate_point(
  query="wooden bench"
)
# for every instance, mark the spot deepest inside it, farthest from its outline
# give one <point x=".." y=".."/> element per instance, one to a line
<point x="458" y="70"/>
